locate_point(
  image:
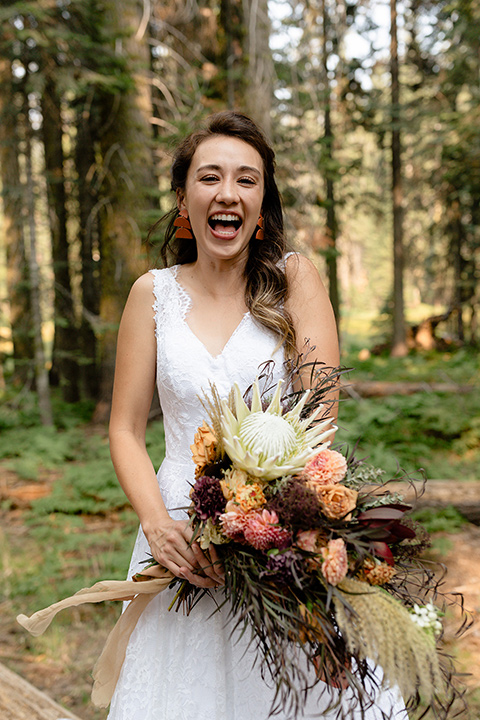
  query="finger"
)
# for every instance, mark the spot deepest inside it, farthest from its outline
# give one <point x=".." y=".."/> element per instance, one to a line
<point x="198" y="580"/>
<point x="216" y="562"/>
<point x="169" y="556"/>
<point x="207" y="565"/>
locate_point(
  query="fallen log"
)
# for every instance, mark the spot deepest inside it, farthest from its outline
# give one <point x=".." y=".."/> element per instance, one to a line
<point x="20" y="700"/>
<point x="381" y="388"/>
<point x="463" y="495"/>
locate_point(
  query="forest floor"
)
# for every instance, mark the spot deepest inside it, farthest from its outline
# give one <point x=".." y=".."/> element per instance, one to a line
<point x="61" y="666"/>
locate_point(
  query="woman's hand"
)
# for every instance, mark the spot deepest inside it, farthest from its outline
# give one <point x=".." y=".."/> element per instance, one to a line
<point x="172" y="547"/>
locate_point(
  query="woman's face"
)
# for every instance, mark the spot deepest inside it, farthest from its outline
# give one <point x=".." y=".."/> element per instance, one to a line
<point x="223" y="196"/>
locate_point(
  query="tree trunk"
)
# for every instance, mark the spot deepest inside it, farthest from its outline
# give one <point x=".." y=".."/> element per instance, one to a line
<point x="128" y="177"/>
<point x="41" y="373"/>
<point x="64" y="366"/>
<point x="18" y="283"/>
<point x="259" y="74"/>
<point x="88" y="232"/>
<point x="456" y="245"/>
<point x="332" y="228"/>
<point x="229" y="52"/>
<point x="399" y="345"/>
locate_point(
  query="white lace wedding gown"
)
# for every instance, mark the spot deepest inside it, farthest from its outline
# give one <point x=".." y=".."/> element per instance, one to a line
<point x="180" y="667"/>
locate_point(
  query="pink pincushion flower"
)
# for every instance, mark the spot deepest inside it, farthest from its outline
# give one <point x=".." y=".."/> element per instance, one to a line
<point x="263" y="532"/>
<point x="326" y="468"/>
<point x="335" y="561"/>
<point x="233" y="521"/>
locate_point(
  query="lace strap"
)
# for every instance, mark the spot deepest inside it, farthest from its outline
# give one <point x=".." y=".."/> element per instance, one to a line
<point x="158" y="305"/>
<point x="283" y="262"/>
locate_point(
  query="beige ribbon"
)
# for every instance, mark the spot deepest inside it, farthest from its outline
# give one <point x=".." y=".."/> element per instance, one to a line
<point x="139" y="592"/>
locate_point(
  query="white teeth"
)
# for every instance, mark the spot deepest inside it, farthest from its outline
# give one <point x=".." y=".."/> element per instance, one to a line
<point x="225" y="218"/>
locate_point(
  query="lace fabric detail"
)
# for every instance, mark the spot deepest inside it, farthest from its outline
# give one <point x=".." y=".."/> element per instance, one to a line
<point x="180" y="667"/>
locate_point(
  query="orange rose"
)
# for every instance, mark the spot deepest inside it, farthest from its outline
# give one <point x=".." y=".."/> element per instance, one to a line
<point x="204" y="448"/>
<point x="337" y="500"/>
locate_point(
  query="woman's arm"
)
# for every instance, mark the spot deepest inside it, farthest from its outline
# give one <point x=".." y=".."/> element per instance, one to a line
<point x="169" y="540"/>
<point x="312" y="315"/>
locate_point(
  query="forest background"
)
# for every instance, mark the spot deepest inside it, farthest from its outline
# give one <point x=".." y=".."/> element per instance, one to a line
<point x="373" y="109"/>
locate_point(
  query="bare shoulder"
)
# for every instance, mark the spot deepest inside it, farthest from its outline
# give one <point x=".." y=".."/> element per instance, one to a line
<point x="138" y="314"/>
<point x="142" y="290"/>
<point x="310" y="310"/>
<point x="303" y="278"/>
<point x="143" y="286"/>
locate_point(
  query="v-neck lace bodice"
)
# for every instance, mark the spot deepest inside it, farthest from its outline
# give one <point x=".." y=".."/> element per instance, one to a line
<point x="186" y="305"/>
<point x="185" y="367"/>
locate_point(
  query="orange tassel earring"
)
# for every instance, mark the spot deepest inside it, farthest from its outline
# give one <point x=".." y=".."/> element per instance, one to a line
<point x="183" y="228"/>
<point x="260" y="234"/>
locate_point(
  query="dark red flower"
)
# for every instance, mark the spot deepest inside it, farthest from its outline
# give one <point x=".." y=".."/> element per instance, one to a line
<point x="208" y="499"/>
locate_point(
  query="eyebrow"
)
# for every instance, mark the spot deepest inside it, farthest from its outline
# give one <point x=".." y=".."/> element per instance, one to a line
<point x="242" y="168"/>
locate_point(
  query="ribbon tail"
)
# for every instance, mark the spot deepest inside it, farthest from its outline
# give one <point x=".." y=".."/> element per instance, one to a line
<point x="37" y="623"/>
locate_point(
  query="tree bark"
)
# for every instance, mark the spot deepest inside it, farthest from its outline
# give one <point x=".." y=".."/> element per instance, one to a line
<point x="332" y="227"/>
<point x="259" y="71"/>
<point x="399" y="344"/>
<point x="18" y="282"/>
<point x="64" y="366"/>
<point x="41" y="373"/>
<point x="88" y="231"/>
<point x="126" y="145"/>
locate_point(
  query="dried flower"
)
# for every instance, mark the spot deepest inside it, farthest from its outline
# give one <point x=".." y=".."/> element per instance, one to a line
<point x="311" y="541"/>
<point x="263" y="532"/>
<point x="212" y="534"/>
<point x="377" y="573"/>
<point x="326" y="467"/>
<point x="232" y="478"/>
<point x="335" y="561"/>
<point x="250" y="497"/>
<point x="297" y="505"/>
<point x="308" y="540"/>
<point x="207" y="498"/>
<point x="204" y="448"/>
<point x="337" y="501"/>
<point x="233" y="521"/>
<point x="284" y="568"/>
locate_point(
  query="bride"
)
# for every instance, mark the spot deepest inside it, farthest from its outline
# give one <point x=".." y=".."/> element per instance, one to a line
<point x="229" y="299"/>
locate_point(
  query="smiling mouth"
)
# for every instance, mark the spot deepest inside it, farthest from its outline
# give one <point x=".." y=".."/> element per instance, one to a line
<point x="225" y="223"/>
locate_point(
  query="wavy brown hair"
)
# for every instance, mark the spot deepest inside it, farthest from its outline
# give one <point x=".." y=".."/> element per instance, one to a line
<point x="266" y="286"/>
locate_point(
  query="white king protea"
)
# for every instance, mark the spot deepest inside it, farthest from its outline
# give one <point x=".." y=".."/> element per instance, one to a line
<point x="268" y="444"/>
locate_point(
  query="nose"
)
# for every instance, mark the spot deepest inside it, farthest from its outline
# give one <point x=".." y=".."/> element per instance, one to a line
<point x="227" y="192"/>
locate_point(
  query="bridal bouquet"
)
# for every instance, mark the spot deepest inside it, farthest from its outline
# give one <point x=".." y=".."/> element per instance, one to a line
<point x="320" y="557"/>
<point x="322" y="569"/>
